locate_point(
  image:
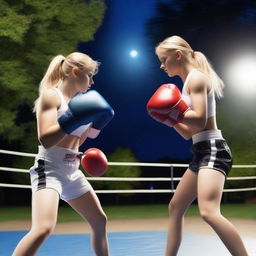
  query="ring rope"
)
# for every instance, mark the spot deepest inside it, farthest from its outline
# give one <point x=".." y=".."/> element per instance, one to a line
<point x="127" y="178"/>
<point x="130" y="190"/>
<point x="125" y="163"/>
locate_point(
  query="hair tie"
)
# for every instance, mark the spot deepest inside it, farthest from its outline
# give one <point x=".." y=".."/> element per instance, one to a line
<point x="62" y="61"/>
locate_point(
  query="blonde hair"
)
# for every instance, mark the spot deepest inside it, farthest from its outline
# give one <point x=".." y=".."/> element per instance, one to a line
<point x="60" y="67"/>
<point x="197" y="58"/>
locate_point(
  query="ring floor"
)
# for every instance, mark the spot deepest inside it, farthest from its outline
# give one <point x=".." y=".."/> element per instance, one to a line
<point x="140" y="243"/>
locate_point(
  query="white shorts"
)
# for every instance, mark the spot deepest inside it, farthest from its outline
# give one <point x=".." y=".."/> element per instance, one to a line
<point x="57" y="168"/>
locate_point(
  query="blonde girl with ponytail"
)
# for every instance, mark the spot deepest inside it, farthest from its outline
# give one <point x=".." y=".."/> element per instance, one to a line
<point x="64" y="120"/>
<point x="192" y="113"/>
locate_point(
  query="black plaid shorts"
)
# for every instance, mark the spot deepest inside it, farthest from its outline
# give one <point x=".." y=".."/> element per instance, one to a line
<point x="214" y="154"/>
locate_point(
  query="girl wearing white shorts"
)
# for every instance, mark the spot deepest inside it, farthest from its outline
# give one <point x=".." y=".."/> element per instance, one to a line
<point x="55" y="173"/>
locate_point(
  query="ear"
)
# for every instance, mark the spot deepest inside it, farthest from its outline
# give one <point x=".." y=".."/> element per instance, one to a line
<point x="178" y="54"/>
<point x="74" y="71"/>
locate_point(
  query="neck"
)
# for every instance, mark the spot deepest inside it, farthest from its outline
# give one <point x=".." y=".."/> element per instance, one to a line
<point x="185" y="71"/>
<point x="67" y="88"/>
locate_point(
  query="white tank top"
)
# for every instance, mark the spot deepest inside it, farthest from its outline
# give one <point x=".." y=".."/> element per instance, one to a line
<point x="211" y="104"/>
<point x="63" y="104"/>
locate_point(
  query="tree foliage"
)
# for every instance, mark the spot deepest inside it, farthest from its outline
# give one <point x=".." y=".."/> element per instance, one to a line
<point x="31" y="33"/>
<point x="209" y="25"/>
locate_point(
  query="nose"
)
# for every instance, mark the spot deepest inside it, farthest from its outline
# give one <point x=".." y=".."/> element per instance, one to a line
<point x="91" y="82"/>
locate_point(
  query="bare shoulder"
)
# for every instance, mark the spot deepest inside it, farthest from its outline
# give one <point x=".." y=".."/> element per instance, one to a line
<point x="49" y="99"/>
<point x="199" y="81"/>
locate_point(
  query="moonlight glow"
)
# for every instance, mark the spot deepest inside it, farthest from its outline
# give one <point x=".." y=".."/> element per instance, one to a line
<point x="241" y="74"/>
<point x="133" y="53"/>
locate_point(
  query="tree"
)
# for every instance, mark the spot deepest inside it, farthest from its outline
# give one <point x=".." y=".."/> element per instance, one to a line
<point x="31" y="33"/>
<point x="208" y="25"/>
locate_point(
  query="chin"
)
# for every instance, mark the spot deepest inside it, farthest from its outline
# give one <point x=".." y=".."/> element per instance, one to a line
<point x="168" y="74"/>
<point x="172" y="75"/>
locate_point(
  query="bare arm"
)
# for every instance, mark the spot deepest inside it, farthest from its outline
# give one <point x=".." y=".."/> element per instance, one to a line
<point x="196" y="117"/>
<point x="183" y="130"/>
<point x="49" y="131"/>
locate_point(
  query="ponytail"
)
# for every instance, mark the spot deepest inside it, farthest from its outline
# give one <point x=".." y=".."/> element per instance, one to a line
<point x="202" y="64"/>
<point x="52" y="77"/>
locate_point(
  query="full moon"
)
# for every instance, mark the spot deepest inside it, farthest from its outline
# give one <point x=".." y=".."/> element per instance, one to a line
<point x="133" y="53"/>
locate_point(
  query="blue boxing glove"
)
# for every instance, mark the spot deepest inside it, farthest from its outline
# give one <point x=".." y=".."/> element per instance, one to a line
<point x="83" y="109"/>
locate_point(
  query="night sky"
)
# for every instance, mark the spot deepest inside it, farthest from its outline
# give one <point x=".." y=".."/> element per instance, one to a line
<point x="128" y="83"/>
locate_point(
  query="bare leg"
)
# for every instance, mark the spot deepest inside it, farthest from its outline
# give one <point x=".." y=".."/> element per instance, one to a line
<point x="210" y="188"/>
<point x="89" y="207"/>
<point x="185" y="193"/>
<point x="44" y="216"/>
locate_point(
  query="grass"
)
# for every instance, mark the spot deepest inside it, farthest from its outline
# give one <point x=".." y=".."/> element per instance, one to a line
<point x="67" y="214"/>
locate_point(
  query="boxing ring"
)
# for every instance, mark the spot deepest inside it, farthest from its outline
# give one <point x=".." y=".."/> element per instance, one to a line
<point x="134" y="243"/>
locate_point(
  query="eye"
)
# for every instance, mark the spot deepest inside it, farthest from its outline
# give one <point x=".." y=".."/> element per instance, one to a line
<point x="163" y="60"/>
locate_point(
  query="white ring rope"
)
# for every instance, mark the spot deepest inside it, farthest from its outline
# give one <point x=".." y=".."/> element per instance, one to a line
<point x="2" y="151"/>
<point x="4" y="185"/>
<point x="128" y="178"/>
<point x="16" y="153"/>
<point x="7" y="169"/>
<point x="116" y="191"/>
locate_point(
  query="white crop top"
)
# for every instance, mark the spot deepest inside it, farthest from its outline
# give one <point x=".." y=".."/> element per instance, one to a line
<point x="63" y="104"/>
<point x="211" y="104"/>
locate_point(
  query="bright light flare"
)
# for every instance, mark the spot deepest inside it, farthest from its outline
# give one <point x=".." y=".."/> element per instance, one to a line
<point x="241" y="74"/>
<point x="133" y="53"/>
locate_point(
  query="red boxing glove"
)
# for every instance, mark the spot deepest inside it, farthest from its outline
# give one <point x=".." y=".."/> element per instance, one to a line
<point x="165" y="119"/>
<point x="168" y="100"/>
<point x="94" y="162"/>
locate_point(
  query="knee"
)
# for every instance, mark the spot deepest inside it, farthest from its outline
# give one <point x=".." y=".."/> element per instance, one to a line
<point x="99" y="222"/>
<point x="44" y="230"/>
<point x="174" y="208"/>
<point x="103" y="220"/>
<point x="208" y="215"/>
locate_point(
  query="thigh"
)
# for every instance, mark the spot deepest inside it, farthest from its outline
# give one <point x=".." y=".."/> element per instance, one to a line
<point x="186" y="190"/>
<point x="210" y="188"/>
<point x="88" y="206"/>
<point x="45" y="207"/>
<point x="74" y="186"/>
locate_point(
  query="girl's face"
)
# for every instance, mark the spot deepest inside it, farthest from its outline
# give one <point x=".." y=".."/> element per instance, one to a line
<point x="169" y="63"/>
<point x="84" y="80"/>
